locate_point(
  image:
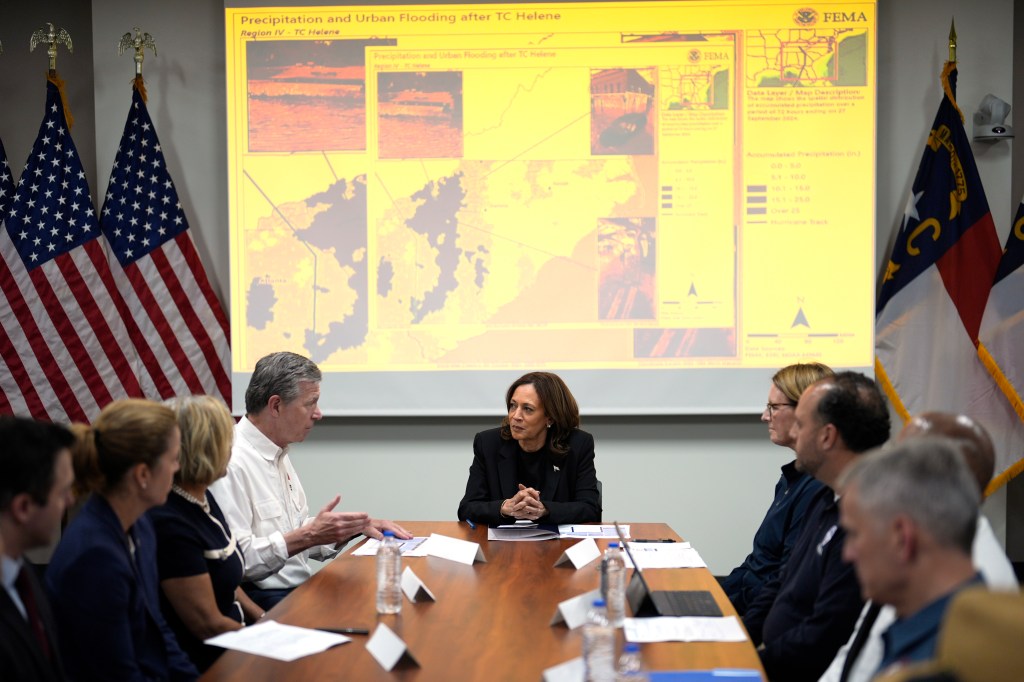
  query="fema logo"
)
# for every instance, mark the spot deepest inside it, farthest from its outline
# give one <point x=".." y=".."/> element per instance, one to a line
<point x="805" y="16"/>
<point x="694" y="55"/>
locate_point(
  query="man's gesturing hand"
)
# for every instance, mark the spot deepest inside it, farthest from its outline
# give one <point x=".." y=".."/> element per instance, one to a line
<point x="330" y="526"/>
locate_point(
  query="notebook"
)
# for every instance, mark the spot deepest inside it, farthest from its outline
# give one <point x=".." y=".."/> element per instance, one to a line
<point x="644" y="602"/>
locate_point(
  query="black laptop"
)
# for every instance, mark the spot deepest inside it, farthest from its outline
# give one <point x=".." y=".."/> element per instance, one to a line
<point x="644" y="602"/>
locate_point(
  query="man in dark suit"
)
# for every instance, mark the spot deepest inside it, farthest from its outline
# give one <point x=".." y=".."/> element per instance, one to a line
<point x="803" y="615"/>
<point x="35" y="489"/>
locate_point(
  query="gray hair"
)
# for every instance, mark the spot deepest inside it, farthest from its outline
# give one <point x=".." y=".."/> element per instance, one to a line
<point x="925" y="479"/>
<point x="278" y="374"/>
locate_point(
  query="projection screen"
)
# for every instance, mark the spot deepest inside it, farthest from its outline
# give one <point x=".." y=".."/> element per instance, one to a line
<point x="663" y="202"/>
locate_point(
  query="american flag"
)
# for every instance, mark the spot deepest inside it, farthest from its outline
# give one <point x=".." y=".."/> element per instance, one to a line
<point x="181" y="331"/>
<point x="63" y="340"/>
<point x="6" y="183"/>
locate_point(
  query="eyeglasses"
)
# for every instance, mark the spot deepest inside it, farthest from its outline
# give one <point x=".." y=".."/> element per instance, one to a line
<point x="772" y="407"/>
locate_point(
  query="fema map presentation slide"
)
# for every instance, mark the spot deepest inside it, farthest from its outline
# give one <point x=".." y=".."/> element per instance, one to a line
<point x="663" y="202"/>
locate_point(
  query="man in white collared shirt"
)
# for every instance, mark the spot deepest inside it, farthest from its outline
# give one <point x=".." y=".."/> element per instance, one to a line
<point x="262" y="497"/>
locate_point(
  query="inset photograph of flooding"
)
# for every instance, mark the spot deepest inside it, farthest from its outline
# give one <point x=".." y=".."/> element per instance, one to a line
<point x="307" y="95"/>
<point x="622" y="111"/>
<point x="419" y="115"/>
<point x="627" y="256"/>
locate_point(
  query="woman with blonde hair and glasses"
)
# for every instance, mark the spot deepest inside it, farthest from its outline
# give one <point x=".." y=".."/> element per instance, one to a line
<point x="200" y="565"/>
<point x="781" y="526"/>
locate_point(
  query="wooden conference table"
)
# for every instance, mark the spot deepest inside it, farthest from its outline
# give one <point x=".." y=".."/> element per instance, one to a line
<point x="490" y="620"/>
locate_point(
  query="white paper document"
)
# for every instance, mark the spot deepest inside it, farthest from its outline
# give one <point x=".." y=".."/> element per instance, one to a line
<point x="522" y="531"/>
<point x="274" y="640"/>
<point x="410" y="547"/>
<point x="684" y="629"/>
<point x="583" y="531"/>
<point x="664" y="555"/>
<point x="463" y="551"/>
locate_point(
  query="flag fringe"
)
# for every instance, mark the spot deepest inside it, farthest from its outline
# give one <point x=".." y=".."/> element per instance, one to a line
<point x="946" y="70"/>
<point x="890" y="391"/>
<point x="140" y="85"/>
<point x="1005" y="477"/>
<point x="1004" y="384"/>
<point x="58" y="82"/>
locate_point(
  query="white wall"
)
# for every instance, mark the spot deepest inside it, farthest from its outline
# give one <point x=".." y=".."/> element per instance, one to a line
<point x="710" y="478"/>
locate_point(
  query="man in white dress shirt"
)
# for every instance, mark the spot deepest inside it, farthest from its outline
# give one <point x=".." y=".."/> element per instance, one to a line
<point x="262" y="497"/>
<point x="986" y="552"/>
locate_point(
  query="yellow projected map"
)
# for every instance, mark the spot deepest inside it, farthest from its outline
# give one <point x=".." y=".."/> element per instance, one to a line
<point x="807" y="57"/>
<point x="576" y="186"/>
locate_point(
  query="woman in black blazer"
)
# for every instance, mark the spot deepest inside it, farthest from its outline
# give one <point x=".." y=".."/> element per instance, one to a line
<point x="538" y="465"/>
<point x="103" y="576"/>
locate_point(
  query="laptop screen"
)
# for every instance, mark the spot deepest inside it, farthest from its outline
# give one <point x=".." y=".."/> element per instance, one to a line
<point x="638" y="587"/>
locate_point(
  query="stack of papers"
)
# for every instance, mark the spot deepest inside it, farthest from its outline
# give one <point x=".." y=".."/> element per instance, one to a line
<point x="274" y="640"/>
<point x="584" y="531"/>
<point x="665" y="555"/>
<point x="527" y="530"/>
<point x="717" y="675"/>
<point x="684" y="629"/>
<point x="523" y="531"/>
<point x="410" y="547"/>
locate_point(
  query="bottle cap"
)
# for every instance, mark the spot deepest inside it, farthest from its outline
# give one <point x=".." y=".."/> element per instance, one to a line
<point x="389" y="534"/>
<point x="631" y="647"/>
<point x="599" y="603"/>
<point x="613" y="545"/>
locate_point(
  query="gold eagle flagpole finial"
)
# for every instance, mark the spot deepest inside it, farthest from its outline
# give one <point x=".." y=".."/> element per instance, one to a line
<point x="52" y="37"/>
<point x="139" y="43"/>
<point x="952" y="41"/>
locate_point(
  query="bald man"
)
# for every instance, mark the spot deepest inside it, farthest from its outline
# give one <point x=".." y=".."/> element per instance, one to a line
<point x="986" y="552"/>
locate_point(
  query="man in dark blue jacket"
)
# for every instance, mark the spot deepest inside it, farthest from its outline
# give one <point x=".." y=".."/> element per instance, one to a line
<point x="802" y="617"/>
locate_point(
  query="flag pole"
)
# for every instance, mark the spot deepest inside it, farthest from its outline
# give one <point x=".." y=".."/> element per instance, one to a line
<point x="54" y="37"/>
<point x="949" y="68"/>
<point x="952" y="41"/>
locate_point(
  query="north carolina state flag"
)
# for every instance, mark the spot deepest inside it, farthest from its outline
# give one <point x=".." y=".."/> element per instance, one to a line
<point x="1001" y="339"/>
<point x="936" y="287"/>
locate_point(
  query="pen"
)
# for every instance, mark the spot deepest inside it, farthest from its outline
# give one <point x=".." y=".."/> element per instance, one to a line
<point x="471" y="524"/>
<point x="661" y="540"/>
<point x="346" y="631"/>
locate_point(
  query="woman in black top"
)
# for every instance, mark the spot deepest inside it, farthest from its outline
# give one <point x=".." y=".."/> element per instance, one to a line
<point x="199" y="564"/>
<point x="538" y="465"/>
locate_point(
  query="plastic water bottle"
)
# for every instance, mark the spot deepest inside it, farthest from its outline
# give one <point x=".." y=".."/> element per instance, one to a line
<point x="631" y="667"/>
<point x="389" y="575"/>
<point x="598" y="645"/>
<point x="613" y="583"/>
